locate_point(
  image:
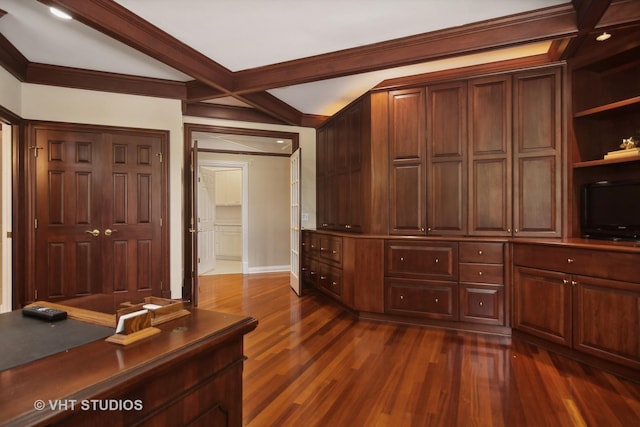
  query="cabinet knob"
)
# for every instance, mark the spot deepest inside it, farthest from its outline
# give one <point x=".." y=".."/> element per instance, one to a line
<point x="334" y="252"/>
<point x="565" y="282"/>
<point x="323" y="277"/>
<point x="480" y="304"/>
<point x="479" y="273"/>
<point x="401" y="258"/>
<point x="437" y="260"/>
<point x="573" y="282"/>
<point x="570" y="260"/>
<point x="479" y="252"/>
<point x="333" y="283"/>
<point x="516" y="230"/>
<point x="508" y="230"/>
<point x="436" y="300"/>
<point x="401" y="297"/>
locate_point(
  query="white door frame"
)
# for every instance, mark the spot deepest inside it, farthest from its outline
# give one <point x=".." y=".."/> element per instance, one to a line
<point x="244" y="166"/>
<point x="6" y="197"/>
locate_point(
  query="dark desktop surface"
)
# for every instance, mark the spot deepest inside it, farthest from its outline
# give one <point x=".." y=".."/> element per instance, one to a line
<point x="25" y="339"/>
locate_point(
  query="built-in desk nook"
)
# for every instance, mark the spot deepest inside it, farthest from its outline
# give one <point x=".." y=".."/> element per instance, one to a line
<point x="189" y="373"/>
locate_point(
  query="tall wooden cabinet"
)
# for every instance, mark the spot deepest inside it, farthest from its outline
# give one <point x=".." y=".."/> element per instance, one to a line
<point x="490" y="201"/>
<point x="407" y="162"/>
<point x="447" y="158"/>
<point x="537" y="142"/>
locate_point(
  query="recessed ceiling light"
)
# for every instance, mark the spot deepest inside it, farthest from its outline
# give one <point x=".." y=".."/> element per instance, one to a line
<point x="604" y="36"/>
<point x="59" y="13"/>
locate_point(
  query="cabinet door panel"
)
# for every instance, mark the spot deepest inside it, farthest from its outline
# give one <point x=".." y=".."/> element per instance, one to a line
<point x="446" y="159"/>
<point x="407" y="198"/>
<point x="537" y="162"/>
<point x="490" y="202"/>
<point x="407" y="195"/>
<point x="446" y="198"/>
<point x="482" y="304"/>
<point x="542" y="304"/>
<point x="490" y="156"/>
<point x="607" y="319"/>
<point x="406" y="109"/>
<point x="537" y="189"/>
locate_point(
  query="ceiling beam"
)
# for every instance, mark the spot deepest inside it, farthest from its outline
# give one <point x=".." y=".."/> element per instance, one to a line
<point x="544" y="24"/>
<point x="119" y="23"/>
<point x="588" y="14"/>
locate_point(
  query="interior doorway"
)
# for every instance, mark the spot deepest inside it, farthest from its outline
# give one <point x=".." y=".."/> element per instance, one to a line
<point x="5" y="219"/>
<point x="265" y="231"/>
<point x="222" y="217"/>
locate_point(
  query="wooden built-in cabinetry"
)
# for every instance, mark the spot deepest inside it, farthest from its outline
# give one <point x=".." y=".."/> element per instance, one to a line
<point x="480" y="157"/>
<point x="478" y="179"/>
<point x="583" y="295"/>
<point x="446" y="282"/>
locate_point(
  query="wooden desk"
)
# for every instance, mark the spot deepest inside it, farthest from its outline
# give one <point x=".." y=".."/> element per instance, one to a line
<point x="190" y="373"/>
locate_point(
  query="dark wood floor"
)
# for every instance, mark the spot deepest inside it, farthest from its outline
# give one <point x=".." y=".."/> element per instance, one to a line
<point x="310" y="363"/>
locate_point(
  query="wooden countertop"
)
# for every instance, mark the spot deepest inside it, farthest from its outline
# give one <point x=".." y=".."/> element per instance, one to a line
<point x="89" y="370"/>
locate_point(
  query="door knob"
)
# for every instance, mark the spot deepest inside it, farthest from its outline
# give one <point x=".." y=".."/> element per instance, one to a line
<point x="95" y="232"/>
<point x="109" y="232"/>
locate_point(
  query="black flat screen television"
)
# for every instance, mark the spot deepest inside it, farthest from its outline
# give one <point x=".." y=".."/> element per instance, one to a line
<point x="611" y="210"/>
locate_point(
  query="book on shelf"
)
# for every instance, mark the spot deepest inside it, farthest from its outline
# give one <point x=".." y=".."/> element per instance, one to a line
<point x="627" y="152"/>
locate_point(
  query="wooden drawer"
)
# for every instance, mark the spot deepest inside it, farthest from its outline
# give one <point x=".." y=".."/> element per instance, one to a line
<point x="483" y="252"/>
<point x="331" y="249"/>
<point x="482" y="304"/>
<point x="330" y="280"/>
<point x="433" y="260"/>
<point x="431" y="299"/>
<point x="587" y="262"/>
<point x="482" y="273"/>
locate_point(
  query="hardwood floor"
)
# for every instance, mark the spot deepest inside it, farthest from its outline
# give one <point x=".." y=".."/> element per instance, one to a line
<point x="310" y="363"/>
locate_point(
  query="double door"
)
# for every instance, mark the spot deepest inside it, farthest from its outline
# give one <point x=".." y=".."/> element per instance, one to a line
<point x="98" y="205"/>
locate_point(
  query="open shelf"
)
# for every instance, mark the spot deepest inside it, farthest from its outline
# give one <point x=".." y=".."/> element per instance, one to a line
<point x="602" y="162"/>
<point x="613" y="107"/>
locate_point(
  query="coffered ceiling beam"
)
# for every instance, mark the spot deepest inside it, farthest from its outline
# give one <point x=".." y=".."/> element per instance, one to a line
<point x="545" y="24"/>
<point x="119" y="23"/>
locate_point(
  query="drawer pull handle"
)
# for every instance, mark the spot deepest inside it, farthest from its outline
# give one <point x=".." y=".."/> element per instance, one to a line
<point x="480" y="304"/>
<point x="437" y="260"/>
<point x="436" y="300"/>
<point x="479" y="273"/>
<point x="401" y="258"/>
<point x="479" y="252"/>
<point x="570" y="260"/>
<point x="565" y="282"/>
<point x="573" y="282"/>
<point x="401" y="297"/>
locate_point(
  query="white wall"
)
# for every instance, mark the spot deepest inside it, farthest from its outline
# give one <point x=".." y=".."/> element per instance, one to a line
<point x="39" y="102"/>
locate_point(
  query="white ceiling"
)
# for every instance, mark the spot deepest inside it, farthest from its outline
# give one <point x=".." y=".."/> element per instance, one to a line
<point x="243" y="34"/>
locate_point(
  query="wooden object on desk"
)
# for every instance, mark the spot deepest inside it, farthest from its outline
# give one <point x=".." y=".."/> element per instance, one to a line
<point x="169" y="309"/>
<point x="133" y="329"/>
<point x="191" y="371"/>
<point x="82" y="314"/>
